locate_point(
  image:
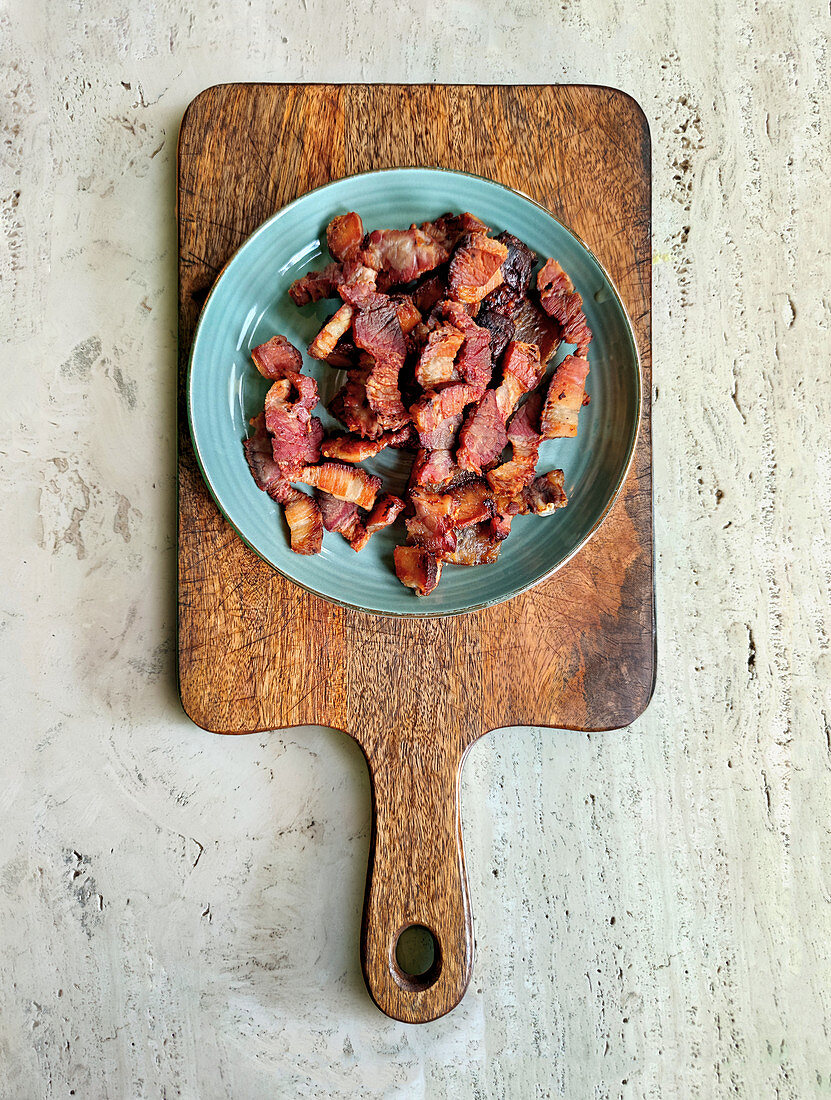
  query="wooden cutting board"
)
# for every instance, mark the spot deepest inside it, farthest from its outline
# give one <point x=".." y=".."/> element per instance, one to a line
<point x="256" y="652"/>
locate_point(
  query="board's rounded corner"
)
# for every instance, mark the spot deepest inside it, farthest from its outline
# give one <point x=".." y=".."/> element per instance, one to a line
<point x="196" y="103"/>
<point x="642" y="704"/>
<point x="637" y="110"/>
<point x="193" y="712"/>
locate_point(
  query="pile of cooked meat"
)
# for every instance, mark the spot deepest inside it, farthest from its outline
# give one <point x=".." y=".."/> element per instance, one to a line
<point x="445" y="345"/>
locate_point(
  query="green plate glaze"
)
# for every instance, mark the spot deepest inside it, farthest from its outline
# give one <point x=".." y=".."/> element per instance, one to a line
<point x="249" y="303"/>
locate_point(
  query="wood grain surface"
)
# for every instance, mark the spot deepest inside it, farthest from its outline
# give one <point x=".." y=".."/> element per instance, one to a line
<point x="256" y="652"/>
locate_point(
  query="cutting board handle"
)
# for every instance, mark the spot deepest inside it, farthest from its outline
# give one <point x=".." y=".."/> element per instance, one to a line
<point x="416" y="876"/>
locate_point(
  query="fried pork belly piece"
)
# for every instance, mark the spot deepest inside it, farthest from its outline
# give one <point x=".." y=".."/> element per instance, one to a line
<point x="416" y="568"/>
<point x="437" y="470"/>
<point x="384" y="396"/>
<point x="339" y="515"/>
<point x="437" y="415"/>
<point x="277" y="358"/>
<point x="351" y="407"/>
<point x="436" y="364"/>
<point x="433" y="533"/>
<point x="474" y="361"/>
<point x="378" y="331"/>
<point x="564" y="399"/>
<point x="353" y="448"/>
<point x="501" y="328"/>
<point x="296" y="434"/>
<point x="386" y="511"/>
<point x="509" y="479"/>
<point x="482" y="437"/>
<point x="266" y="472"/>
<point x="465" y="505"/>
<point x="473" y="503"/>
<point x="408" y="313"/>
<point x="429" y="293"/>
<point x="303" y="518"/>
<point x="500" y="526"/>
<point x="403" y="254"/>
<point x="345" y="482"/>
<point x="546" y="494"/>
<point x="344" y="355"/>
<point x="359" y="287"/>
<point x="476" y="267"/>
<point x="518" y="264"/>
<point x="475" y="545"/>
<point x="344" y="236"/>
<point x="521" y="372"/>
<point x="503" y="300"/>
<point x="440" y="516"/>
<point x="449" y="228"/>
<point x="315" y="285"/>
<point x="326" y="340"/>
<point x="560" y="300"/>
<point x="532" y="326"/>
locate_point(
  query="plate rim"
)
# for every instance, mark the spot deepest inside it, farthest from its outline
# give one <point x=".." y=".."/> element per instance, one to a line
<point x="632" y="446"/>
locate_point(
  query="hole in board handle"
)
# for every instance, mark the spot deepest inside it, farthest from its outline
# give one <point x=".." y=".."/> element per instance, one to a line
<point x="415" y="958"/>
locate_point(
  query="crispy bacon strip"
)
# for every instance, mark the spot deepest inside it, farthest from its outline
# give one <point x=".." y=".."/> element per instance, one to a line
<point x="475" y="545"/>
<point x="560" y="300"/>
<point x="546" y="494"/>
<point x="416" y="568"/>
<point x="351" y="448"/>
<point x="403" y="253"/>
<point x="277" y="358"/>
<point x="386" y="511"/>
<point x="265" y="471"/>
<point x="565" y="397"/>
<point x="315" y="285"/>
<point x="303" y="518"/>
<point x="344" y="236"/>
<point x="436" y="365"/>
<point x="476" y="267"/>
<point x="324" y="343"/>
<point x="345" y="482"/>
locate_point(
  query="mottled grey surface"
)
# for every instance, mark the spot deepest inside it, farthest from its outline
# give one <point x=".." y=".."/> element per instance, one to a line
<point x="178" y="912"/>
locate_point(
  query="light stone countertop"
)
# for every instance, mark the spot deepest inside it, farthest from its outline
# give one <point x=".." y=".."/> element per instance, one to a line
<point x="179" y="913"/>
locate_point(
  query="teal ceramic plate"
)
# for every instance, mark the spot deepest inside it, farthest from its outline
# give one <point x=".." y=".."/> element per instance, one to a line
<point x="249" y="304"/>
